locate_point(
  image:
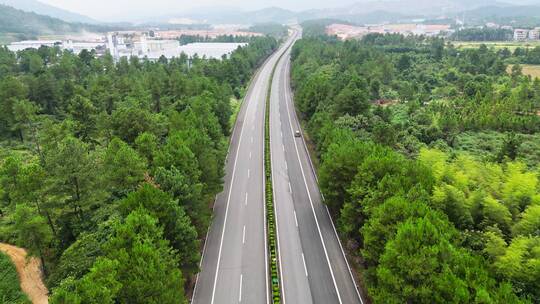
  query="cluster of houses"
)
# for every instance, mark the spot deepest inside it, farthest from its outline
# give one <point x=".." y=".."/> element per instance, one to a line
<point x="345" y="31"/>
<point x="527" y="34"/>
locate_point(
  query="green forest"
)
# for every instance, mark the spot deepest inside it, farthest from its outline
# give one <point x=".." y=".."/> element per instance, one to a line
<point x="108" y="171"/>
<point x="428" y="159"/>
<point x="483" y="34"/>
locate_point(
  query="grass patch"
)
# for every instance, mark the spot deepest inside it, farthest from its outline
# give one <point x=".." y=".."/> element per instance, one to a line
<point x="10" y="288"/>
<point x="236" y="104"/>
<point x="486" y="145"/>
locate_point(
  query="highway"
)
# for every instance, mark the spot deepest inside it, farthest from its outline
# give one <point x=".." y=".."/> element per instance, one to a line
<point x="234" y="267"/>
<point x="313" y="266"/>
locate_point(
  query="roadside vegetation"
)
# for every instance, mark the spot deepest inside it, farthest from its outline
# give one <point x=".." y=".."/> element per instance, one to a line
<point x="482" y="34"/>
<point x="10" y="289"/>
<point x="428" y="163"/>
<point x="108" y="171"/>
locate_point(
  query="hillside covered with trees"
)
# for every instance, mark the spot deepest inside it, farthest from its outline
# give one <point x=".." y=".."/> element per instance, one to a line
<point x="26" y="25"/>
<point x="429" y="162"/>
<point x="108" y="171"/>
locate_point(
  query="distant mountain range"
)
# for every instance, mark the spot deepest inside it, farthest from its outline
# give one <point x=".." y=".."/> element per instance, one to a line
<point x="49" y="10"/>
<point x="363" y="11"/>
<point x="506" y="12"/>
<point x="30" y="18"/>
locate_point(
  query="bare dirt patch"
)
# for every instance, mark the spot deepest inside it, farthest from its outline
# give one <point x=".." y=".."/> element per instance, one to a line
<point x="29" y="273"/>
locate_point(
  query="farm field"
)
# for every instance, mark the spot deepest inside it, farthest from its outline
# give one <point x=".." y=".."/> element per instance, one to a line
<point x="532" y="70"/>
<point x="511" y="45"/>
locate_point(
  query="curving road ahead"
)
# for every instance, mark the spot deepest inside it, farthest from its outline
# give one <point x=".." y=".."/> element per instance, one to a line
<point x="313" y="266"/>
<point x="234" y="267"/>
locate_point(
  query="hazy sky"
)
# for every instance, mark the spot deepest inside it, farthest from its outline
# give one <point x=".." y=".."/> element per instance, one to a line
<point x="109" y="10"/>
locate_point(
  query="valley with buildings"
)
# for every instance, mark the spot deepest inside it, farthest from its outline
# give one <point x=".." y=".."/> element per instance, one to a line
<point x="150" y="44"/>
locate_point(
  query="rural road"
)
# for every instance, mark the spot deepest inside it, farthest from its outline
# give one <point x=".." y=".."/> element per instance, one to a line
<point x="234" y="266"/>
<point x="29" y="270"/>
<point x="313" y="266"/>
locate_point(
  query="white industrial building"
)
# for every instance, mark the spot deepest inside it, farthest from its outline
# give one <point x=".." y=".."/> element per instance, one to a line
<point x="210" y="49"/>
<point x="120" y="46"/>
<point x="32" y="44"/>
<point x="69" y="45"/>
<point x="127" y="45"/>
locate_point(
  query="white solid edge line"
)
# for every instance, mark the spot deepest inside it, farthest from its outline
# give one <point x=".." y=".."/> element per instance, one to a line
<point x="304" y="260"/>
<point x="328" y="212"/>
<point x="240" y="293"/>
<point x="295" y="219"/>
<point x="267" y="274"/>
<point x="312" y="207"/>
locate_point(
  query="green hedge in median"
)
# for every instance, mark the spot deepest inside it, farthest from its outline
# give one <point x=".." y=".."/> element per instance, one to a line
<point x="270" y="218"/>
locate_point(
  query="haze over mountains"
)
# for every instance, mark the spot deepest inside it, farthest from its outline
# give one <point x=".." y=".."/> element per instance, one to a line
<point x="17" y="24"/>
<point x="48" y="10"/>
<point x="369" y="11"/>
<point x="362" y="11"/>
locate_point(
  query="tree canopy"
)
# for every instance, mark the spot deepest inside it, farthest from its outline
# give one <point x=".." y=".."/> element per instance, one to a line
<point x="426" y="163"/>
<point x="108" y="171"/>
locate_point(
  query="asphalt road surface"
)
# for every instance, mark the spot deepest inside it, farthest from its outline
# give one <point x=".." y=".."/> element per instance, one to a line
<point x="313" y="266"/>
<point x="234" y="267"/>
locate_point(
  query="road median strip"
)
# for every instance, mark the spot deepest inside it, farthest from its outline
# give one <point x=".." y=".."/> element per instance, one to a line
<point x="269" y="199"/>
